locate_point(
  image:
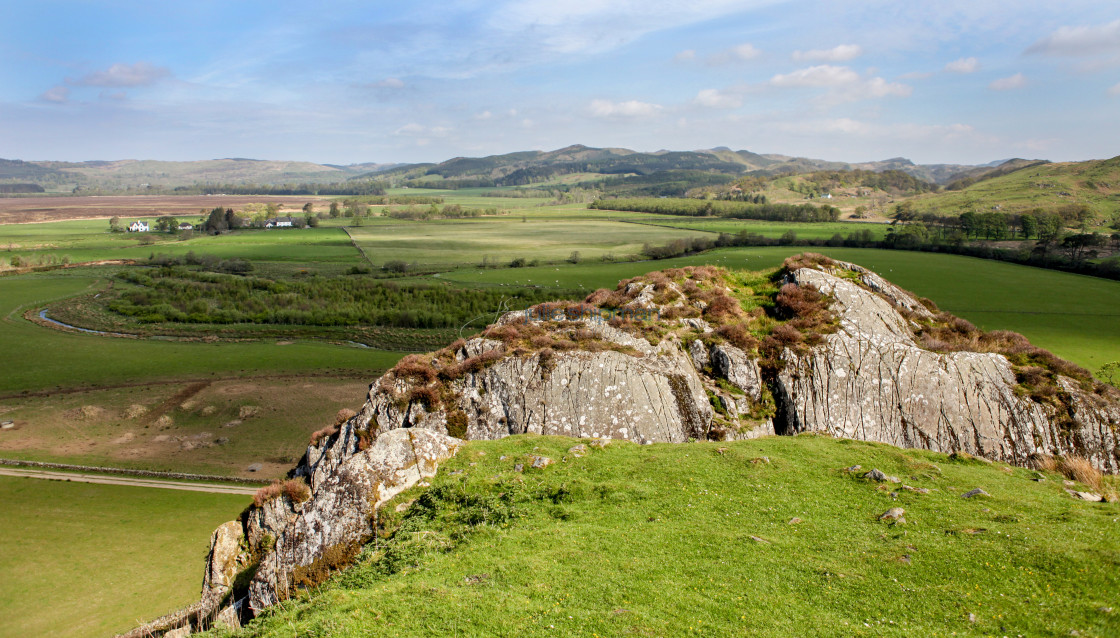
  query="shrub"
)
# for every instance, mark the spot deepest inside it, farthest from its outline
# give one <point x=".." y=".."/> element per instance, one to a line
<point x="457" y="424"/>
<point x="787" y="335"/>
<point x="294" y="489"/>
<point x="415" y="366"/>
<point x="806" y="260"/>
<point x="426" y="396"/>
<point x="738" y="336"/>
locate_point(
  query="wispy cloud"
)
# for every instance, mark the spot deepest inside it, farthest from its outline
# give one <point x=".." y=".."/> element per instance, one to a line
<point x="845" y="84"/>
<point x="963" y="65"/>
<point x="717" y="99"/>
<point x="627" y="109"/>
<point x="1080" y="41"/>
<point x="1115" y="90"/>
<point x="1009" y="83"/>
<point x="58" y="95"/>
<point x="390" y="83"/>
<point x="124" y="76"/>
<point x="738" y="53"/>
<point x="839" y="53"/>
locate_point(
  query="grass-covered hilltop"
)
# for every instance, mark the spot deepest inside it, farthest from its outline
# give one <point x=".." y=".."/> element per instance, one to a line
<point x="772" y="537"/>
<point x="697" y="451"/>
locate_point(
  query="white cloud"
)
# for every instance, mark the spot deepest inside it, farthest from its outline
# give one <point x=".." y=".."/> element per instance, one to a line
<point x="878" y="87"/>
<point x="484" y="115"/>
<point x="1080" y="41"/>
<point x="125" y="75"/>
<point x="738" y="53"/>
<point x="1009" y="83"/>
<point x="58" y="95"/>
<point x="687" y="55"/>
<point x="1114" y="90"/>
<point x="390" y="83"/>
<point x="822" y="75"/>
<point x="915" y="75"/>
<point x="963" y="65"/>
<point x="716" y="99"/>
<point x="629" y="108"/>
<point x="839" y="53"/>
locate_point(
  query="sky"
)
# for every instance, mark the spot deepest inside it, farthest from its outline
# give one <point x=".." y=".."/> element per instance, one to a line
<point x="342" y="82"/>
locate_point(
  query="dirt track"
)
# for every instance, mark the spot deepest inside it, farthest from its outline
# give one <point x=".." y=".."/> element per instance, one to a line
<point x="123" y="480"/>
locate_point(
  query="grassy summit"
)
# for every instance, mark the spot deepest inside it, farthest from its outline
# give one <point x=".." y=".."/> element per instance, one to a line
<point x="772" y="537"/>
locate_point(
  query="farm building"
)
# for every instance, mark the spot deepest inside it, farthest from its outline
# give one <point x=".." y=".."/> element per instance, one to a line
<point x="186" y="226"/>
<point x="279" y="222"/>
<point x="138" y="227"/>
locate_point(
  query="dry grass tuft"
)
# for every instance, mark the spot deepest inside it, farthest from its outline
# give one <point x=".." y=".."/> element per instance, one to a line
<point x="1079" y="469"/>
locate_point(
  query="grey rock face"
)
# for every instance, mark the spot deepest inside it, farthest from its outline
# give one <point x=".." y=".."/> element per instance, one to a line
<point x="871" y="381"/>
<point x="656" y="396"/>
<point x="734" y="365"/>
<point x="342" y="506"/>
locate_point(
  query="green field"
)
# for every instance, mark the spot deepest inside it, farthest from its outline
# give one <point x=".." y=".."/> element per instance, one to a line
<point x="683" y="540"/>
<point x="458" y="242"/>
<point x="81" y="559"/>
<point x="90" y="240"/>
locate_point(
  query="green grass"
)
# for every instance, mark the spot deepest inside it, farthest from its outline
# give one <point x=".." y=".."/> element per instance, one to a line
<point x="90" y="240"/>
<point x="820" y="230"/>
<point x="659" y="541"/>
<point x="1050" y="186"/>
<point x="458" y="242"/>
<point x="81" y="559"/>
<point x="41" y="358"/>
<point x="1075" y="316"/>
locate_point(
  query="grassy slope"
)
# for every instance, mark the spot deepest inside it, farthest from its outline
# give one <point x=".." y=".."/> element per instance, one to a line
<point x="83" y="560"/>
<point x="657" y="540"/>
<point x="1038" y="187"/>
<point x="1078" y="317"/>
<point x="39" y="358"/>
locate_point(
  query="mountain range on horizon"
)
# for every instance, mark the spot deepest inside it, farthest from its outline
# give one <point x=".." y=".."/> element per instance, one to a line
<point x="519" y="168"/>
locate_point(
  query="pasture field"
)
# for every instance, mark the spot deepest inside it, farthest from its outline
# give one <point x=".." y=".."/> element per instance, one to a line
<point x="18" y="210"/>
<point x="448" y="243"/>
<point x="83" y="559"/>
<point x="821" y="230"/>
<point x="90" y="240"/>
<point x="38" y="358"/>
<point x="220" y="427"/>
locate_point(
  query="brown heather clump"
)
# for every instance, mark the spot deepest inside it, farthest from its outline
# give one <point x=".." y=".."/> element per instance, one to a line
<point x="327" y="432"/>
<point x="807" y="260"/>
<point x="416" y="367"/>
<point x="787" y="335"/>
<point x="426" y="396"/>
<point x="737" y="335"/>
<point x="294" y="489"/>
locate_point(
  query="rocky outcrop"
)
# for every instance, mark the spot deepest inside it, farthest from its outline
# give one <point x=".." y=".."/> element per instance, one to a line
<point x="870" y="380"/>
<point x="848" y="364"/>
<point x="340" y="514"/>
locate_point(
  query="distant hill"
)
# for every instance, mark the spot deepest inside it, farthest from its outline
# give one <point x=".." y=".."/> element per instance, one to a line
<point x="576" y="164"/>
<point x="155" y="175"/>
<point x="1025" y="185"/>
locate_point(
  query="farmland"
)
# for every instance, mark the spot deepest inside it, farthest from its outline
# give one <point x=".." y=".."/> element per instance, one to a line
<point x="217" y="398"/>
<point x="123" y="554"/>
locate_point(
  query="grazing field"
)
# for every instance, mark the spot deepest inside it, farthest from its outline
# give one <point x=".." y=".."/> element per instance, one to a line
<point x="459" y="242"/>
<point x="707" y="539"/>
<point x="18" y="210"/>
<point x="820" y="230"/>
<point x="81" y="559"/>
<point x="38" y="358"/>
<point x="84" y="241"/>
<point x="221" y="427"/>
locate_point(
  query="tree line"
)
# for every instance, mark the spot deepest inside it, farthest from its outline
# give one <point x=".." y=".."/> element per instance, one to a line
<point x="721" y="208"/>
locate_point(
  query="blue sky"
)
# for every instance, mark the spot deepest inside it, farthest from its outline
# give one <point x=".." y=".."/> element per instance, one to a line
<point x="351" y="81"/>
